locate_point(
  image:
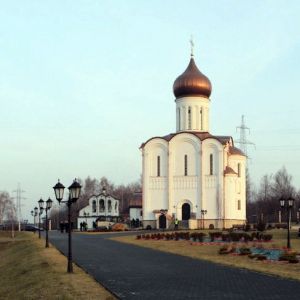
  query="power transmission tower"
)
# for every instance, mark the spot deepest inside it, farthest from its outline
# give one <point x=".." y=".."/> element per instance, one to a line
<point x="19" y="198"/>
<point x="243" y="141"/>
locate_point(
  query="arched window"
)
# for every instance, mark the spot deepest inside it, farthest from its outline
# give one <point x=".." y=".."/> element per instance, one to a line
<point x="239" y="169"/>
<point x="201" y="119"/>
<point x="185" y="165"/>
<point x="189" y="118"/>
<point x="158" y="166"/>
<point x="109" y="205"/>
<point x="102" y="206"/>
<point x="211" y="164"/>
<point x="179" y="121"/>
<point x="116" y="206"/>
<point x="94" y="208"/>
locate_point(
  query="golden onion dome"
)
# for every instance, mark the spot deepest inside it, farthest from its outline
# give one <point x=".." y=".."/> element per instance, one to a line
<point x="192" y="83"/>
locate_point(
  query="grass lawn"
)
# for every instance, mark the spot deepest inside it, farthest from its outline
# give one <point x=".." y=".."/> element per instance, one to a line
<point x="30" y="271"/>
<point x="210" y="252"/>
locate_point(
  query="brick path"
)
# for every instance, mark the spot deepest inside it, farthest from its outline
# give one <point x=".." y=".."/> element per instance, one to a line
<point x="132" y="272"/>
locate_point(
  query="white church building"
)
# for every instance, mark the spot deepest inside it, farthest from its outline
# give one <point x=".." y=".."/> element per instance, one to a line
<point x="192" y="175"/>
<point x="101" y="208"/>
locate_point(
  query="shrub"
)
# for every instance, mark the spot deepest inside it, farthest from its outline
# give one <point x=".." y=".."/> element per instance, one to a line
<point x="245" y="251"/>
<point x="247" y="237"/>
<point x="201" y="236"/>
<point x="247" y="227"/>
<point x="138" y="237"/>
<point x="281" y="225"/>
<point x="261" y="257"/>
<point x="119" y="227"/>
<point x="267" y="237"/>
<point x="194" y="236"/>
<point x="289" y="256"/>
<point x="224" y="250"/>
<point x="261" y="226"/>
<point x="225" y="237"/>
<point x="147" y="236"/>
<point x="235" y="236"/>
<point x="214" y="235"/>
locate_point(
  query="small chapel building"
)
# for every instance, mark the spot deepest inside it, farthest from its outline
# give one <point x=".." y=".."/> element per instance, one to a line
<point x="101" y="208"/>
<point x="192" y="175"/>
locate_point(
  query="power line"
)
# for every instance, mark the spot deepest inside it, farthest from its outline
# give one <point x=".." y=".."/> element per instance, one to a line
<point x="19" y="199"/>
<point x="243" y="141"/>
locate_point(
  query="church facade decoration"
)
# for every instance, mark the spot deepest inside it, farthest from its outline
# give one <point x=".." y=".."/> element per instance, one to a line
<point x="192" y="175"/>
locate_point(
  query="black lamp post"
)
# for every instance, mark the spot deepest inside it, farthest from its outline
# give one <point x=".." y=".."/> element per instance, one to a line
<point x="203" y="213"/>
<point x="41" y="206"/>
<point x="48" y="206"/>
<point x="288" y="204"/>
<point x="74" y="193"/>
<point x="34" y="214"/>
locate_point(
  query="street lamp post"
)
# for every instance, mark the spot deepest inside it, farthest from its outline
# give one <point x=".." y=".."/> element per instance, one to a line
<point x="203" y="213"/>
<point x="288" y="204"/>
<point x="48" y="206"/>
<point x="41" y="204"/>
<point x="74" y="193"/>
<point x="34" y="213"/>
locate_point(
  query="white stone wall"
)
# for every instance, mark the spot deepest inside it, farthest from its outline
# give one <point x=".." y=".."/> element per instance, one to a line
<point x="212" y="194"/>
<point x="236" y="188"/>
<point x="135" y="213"/>
<point x="216" y="193"/>
<point x="199" y="114"/>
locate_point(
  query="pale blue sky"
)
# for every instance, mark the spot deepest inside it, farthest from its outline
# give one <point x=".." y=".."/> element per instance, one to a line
<point x="84" y="83"/>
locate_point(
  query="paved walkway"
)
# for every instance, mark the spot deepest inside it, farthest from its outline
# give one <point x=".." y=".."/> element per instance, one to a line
<point x="132" y="272"/>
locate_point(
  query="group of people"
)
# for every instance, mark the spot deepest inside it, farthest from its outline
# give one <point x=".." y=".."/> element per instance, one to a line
<point x="64" y="226"/>
<point x="135" y="223"/>
<point x="83" y="226"/>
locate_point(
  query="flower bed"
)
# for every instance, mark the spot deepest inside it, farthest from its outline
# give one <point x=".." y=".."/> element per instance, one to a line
<point x="214" y="238"/>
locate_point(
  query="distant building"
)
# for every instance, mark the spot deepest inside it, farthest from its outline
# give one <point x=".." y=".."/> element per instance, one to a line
<point x="192" y="175"/>
<point x="103" y="207"/>
<point x="135" y="207"/>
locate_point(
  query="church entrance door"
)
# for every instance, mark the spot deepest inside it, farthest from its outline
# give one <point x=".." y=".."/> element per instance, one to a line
<point x="186" y="212"/>
<point x="162" y="221"/>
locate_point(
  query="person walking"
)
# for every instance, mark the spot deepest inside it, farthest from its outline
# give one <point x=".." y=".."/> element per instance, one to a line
<point x="176" y="224"/>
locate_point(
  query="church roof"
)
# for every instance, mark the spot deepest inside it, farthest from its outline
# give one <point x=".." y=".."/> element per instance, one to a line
<point x="136" y="200"/>
<point x="201" y="135"/>
<point x="229" y="170"/>
<point x="236" y="151"/>
<point x="192" y="82"/>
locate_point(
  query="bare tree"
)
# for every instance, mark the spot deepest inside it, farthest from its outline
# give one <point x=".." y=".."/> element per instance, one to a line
<point x="282" y="185"/>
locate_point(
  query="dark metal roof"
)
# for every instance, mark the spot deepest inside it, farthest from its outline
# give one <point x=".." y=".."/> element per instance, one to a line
<point x="201" y="135"/>
<point x="229" y="170"/>
<point x="236" y="151"/>
<point x="192" y="83"/>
